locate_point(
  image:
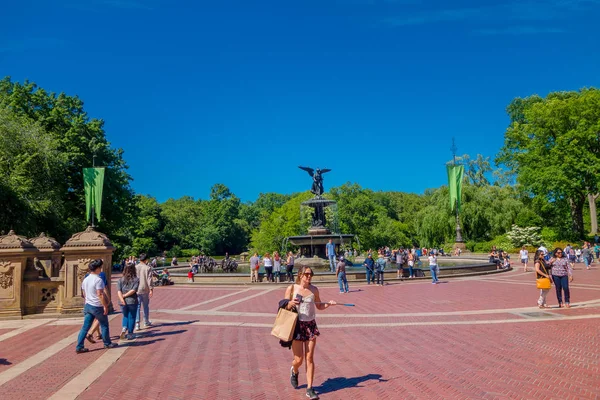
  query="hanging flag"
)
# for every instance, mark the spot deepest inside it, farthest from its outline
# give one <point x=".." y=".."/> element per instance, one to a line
<point x="93" y="180"/>
<point x="455" y="178"/>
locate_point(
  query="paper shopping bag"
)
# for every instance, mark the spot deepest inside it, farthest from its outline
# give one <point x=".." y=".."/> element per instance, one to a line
<point x="284" y="326"/>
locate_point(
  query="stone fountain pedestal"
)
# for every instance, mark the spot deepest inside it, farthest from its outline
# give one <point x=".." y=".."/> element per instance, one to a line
<point x="313" y="244"/>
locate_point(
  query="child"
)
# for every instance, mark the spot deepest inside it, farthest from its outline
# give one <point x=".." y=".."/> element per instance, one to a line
<point x="190" y="276"/>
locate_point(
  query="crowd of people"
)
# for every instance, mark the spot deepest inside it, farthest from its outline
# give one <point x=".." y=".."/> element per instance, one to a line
<point x="277" y="268"/>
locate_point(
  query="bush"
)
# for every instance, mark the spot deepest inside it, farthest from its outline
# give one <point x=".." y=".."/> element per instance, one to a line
<point x="501" y="242"/>
<point x="519" y="236"/>
<point x="549" y="235"/>
<point x="189" y="252"/>
<point x="560" y="244"/>
<point x="174" y="252"/>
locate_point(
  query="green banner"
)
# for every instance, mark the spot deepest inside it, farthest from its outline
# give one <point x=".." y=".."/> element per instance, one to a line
<point x="93" y="180"/>
<point x="455" y="178"/>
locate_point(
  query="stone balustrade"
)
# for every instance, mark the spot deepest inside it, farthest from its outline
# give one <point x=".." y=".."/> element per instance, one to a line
<point x="38" y="276"/>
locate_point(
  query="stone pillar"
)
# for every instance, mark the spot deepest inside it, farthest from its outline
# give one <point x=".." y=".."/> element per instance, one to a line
<point x="14" y="252"/>
<point x="79" y="251"/>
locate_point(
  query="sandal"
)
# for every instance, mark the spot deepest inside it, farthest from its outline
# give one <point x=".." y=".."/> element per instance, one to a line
<point x="90" y="339"/>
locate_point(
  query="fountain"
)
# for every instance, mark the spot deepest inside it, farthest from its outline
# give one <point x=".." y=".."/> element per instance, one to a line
<point x="313" y="244"/>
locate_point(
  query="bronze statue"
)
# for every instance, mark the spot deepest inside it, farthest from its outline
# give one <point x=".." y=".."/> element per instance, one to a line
<point x="317" y="186"/>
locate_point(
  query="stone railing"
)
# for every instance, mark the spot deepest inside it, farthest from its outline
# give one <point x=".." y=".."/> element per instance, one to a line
<point x="37" y="275"/>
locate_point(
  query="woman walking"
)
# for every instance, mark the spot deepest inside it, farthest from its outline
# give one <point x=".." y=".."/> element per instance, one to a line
<point x="276" y="267"/>
<point x="290" y="267"/>
<point x="524" y="255"/>
<point x="411" y="264"/>
<point x="127" y="288"/>
<point x="562" y="274"/>
<point x="268" y="263"/>
<point x="305" y="297"/>
<point x="541" y="271"/>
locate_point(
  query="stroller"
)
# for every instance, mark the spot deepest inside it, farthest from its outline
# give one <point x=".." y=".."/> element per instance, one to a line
<point x="162" y="279"/>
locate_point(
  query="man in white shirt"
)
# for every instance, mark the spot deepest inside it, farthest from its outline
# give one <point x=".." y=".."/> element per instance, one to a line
<point x="96" y="307"/>
<point x="144" y="290"/>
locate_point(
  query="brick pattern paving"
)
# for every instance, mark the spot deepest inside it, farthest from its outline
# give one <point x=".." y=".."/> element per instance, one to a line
<point x="469" y="338"/>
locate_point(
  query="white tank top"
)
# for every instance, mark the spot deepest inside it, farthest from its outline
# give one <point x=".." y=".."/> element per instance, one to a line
<point x="307" y="309"/>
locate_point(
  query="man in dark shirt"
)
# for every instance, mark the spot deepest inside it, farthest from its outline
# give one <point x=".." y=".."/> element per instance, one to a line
<point x="370" y="269"/>
<point x="340" y="272"/>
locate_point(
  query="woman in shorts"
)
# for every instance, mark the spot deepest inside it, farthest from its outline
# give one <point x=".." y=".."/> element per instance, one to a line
<point x="524" y="255"/>
<point x="411" y="264"/>
<point x="305" y="341"/>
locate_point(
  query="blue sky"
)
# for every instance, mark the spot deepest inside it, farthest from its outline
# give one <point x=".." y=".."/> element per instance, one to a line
<point x="242" y="92"/>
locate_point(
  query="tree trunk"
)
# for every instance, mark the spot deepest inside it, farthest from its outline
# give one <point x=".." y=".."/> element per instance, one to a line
<point x="576" y="204"/>
<point x="593" y="214"/>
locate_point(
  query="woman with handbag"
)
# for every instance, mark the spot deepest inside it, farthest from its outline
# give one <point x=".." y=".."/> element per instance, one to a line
<point x="305" y="298"/>
<point x="543" y="281"/>
<point x="562" y="274"/>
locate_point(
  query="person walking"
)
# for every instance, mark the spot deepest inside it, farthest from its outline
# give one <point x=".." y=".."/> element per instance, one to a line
<point x="400" y="258"/>
<point x="330" y="253"/>
<point x="541" y="271"/>
<point x="290" y="267"/>
<point x="586" y="253"/>
<point x="96" y="307"/>
<point x="433" y="267"/>
<point x="340" y="272"/>
<point x="411" y="264"/>
<point x="144" y="291"/>
<point x="306" y="299"/>
<point x="524" y="256"/>
<point x="95" y="329"/>
<point x="268" y="264"/>
<point x="370" y="268"/>
<point x="276" y="267"/>
<point x="254" y="266"/>
<point x="127" y="287"/>
<point x="380" y="268"/>
<point x="562" y="274"/>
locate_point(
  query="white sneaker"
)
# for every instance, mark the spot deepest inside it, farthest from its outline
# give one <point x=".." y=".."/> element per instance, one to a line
<point x="123" y="333"/>
<point x="137" y="327"/>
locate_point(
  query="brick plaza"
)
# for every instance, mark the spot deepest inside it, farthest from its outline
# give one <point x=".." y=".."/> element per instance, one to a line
<point x="467" y="338"/>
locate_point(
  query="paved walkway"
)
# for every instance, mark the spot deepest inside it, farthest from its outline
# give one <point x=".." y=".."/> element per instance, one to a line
<point x="467" y="338"/>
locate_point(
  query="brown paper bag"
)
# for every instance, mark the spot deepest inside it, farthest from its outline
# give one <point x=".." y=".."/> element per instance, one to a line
<point x="284" y="326"/>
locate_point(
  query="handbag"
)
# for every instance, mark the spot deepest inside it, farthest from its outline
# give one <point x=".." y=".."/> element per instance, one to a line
<point x="543" y="283"/>
<point x="284" y="325"/>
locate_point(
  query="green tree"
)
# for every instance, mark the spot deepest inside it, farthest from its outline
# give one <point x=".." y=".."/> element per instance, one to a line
<point x="553" y="146"/>
<point x="30" y="173"/>
<point x="77" y="138"/>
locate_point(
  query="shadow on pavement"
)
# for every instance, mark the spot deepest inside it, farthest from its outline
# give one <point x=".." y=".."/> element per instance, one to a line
<point x="334" y="384"/>
<point x="151" y="334"/>
<point x="174" y="323"/>
<point x="4" y="361"/>
<point x="140" y="342"/>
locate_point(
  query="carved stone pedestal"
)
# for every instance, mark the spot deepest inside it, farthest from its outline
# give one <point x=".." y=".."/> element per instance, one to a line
<point x="79" y="251"/>
<point x="14" y="251"/>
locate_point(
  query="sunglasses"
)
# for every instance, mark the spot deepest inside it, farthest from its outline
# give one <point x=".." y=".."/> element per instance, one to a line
<point x="308" y="274"/>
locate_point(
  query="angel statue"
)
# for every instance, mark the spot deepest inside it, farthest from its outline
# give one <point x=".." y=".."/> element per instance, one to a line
<point x="317" y="186"/>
